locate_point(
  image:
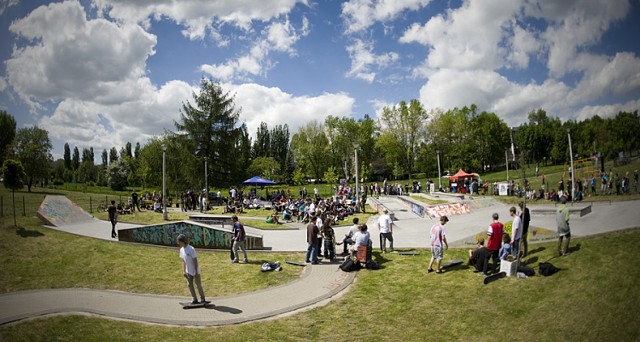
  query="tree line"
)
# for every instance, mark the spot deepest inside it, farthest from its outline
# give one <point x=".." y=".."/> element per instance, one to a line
<point x="404" y="142"/>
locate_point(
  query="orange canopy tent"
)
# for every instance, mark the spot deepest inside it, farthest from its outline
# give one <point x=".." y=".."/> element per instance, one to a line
<point x="461" y="174"/>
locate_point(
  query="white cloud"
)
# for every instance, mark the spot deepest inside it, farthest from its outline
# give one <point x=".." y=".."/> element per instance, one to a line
<point x="279" y="36"/>
<point x="198" y="17"/>
<point x="465" y="38"/>
<point x="607" y="111"/>
<point x="359" y="15"/>
<point x="68" y="56"/>
<point x="363" y="59"/>
<point x="3" y="84"/>
<point x="581" y="25"/>
<point x="274" y="106"/>
<point x="4" y="4"/>
<point x="522" y="44"/>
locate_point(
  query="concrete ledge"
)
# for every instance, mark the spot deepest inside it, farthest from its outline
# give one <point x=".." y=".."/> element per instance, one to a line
<point x="380" y="207"/>
<point x="447" y="194"/>
<point x="578" y="210"/>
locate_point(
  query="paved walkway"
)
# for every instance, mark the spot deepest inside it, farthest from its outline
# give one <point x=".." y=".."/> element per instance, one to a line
<point x="317" y="283"/>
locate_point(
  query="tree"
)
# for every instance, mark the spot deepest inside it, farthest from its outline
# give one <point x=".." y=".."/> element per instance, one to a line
<point x="104" y="158"/>
<point x="404" y="126"/>
<point x="33" y="149"/>
<point x="113" y="155"/>
<point x="127" y="150"/>
<point x="279" y="148"/>
<point x="490" y="137"/>
<point x="331" y="176"/>
<point x="118" y="173"/>
<point x="12" y="174"/>
<point x="75" y="160"/>
<point x="209" y="129"/>
<point x="67" y="156"/>
<point x="308" y="146"/>
<point x="8" y="129"/>
<point x="262" y="144"/>
<point x="266" y="167"/>
<point x="298" y="177"/>
<point x="86" y="156"/>
<point x="136" y="151"/>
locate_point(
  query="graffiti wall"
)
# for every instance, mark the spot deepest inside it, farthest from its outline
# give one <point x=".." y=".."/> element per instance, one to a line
<point x="448" y="209"/>
<point x="57" y="210"/>
<point x="199" y="235"/>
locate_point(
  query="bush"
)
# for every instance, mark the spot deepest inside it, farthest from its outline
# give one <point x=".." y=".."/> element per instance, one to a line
<point x="58" y="181"/>
<point x="420" y="175"/>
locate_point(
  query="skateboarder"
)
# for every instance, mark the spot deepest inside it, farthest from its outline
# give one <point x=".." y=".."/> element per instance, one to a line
<point x="113" y="218"/>
<point x="190" y="268"/>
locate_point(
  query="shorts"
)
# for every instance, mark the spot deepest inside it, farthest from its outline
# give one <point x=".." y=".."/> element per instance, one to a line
<point x="437" y="252"/>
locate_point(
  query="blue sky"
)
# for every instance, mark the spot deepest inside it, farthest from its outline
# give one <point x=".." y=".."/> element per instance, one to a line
<point x="105" y="72"/>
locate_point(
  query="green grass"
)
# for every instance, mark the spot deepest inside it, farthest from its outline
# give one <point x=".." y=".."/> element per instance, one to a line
<point x="594" y="297"/>
<point x="429" y="201"/>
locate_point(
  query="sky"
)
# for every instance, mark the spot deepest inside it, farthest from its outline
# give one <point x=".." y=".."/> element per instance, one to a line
<point x="102" y="73"/>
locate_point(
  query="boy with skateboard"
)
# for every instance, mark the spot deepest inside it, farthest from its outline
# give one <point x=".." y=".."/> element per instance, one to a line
<point x="191" y="269"/>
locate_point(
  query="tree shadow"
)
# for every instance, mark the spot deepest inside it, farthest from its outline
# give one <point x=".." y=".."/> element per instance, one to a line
<point x="537" y="250"/>
<point x="28" y="233"/>
<point x="530" y="261"/>
<point x="233" y="311"/>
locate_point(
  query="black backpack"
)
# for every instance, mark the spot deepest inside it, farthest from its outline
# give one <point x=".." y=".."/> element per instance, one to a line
<point x="547" y="269"/>
<point x="528" y="271"/>
<point x="348" y="265"/>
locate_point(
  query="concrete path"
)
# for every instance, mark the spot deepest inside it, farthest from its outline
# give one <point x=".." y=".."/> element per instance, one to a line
<point x="317" y="283"/>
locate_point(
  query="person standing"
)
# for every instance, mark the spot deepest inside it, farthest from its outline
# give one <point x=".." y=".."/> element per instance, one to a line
<point x="516" y="232"/>
<point x="329" y="237"/>
<point x="238" y="240"/>
<point x="385" y="226"/>
<point x="495" y="231"/>
<point x="525" y="216"/>
<point x="134" y="201"/>
<point x="312" y="241"/>
<point x="562" y="219"/>
<point x="113" y="218"/>
<point x="190" y="268"/>
<point x="438" y="237"/>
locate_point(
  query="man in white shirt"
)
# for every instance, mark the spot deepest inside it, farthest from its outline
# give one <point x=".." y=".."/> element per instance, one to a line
<point x="190" y="268"/>
<point x="385" y="226"/>
<point x="516" y="231"/>
<point x="349" y="236"/>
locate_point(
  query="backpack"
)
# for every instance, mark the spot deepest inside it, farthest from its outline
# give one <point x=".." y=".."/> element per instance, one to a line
<point x="528" y="271"/>
<point x="372" y="265"/>
<point x="547" y="269"/>
<point x="348" y="265"/>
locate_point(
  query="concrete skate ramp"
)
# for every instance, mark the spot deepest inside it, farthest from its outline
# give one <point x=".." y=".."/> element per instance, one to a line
<point x="57" y="210"/>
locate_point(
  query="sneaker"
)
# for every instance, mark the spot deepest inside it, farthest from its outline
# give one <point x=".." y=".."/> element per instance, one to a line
<point x="194" y="302"/>
<point x="429" y="270"/>
<point x="245" y="261"/>
<point x="234" y="261"/>
<point x="439" y="271"/>
<point x="566" y="254"/>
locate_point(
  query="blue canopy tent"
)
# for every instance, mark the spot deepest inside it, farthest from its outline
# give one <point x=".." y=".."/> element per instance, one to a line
<point x="258" y="181"/>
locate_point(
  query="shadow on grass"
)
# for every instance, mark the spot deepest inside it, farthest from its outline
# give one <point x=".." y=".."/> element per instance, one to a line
<point x="28" y="233"/>
<point x="530" y="261"/>
<point x="379" y="259"/>
<point x="537" y="250"/>
<point x="574" y="248"/>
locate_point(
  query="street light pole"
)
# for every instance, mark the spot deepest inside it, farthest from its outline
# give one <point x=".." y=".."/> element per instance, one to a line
<point x="573" y="171"/>
<point x="439" y="174"/>
<point x="164" y="182"/>
<point x="506" y="159"/>
<point x="357" y="176"/>
<point x="206" y="178"/>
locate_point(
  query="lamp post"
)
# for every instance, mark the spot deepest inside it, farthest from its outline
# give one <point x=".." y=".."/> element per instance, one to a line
<point x="506" y="159"/>
<point x="439" y="174"/>
<point x="355" y="149"/>
<point x="164" y="182"/>
<point x="573" y="171"/>
<point x="206" y="178"/>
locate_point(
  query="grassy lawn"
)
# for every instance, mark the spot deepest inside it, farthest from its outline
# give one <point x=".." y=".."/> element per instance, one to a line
<point x="429" y="201"/>
<point x="595" y="296"/>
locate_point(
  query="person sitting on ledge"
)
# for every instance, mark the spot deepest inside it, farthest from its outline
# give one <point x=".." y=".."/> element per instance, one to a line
<point x="479" y="257"/>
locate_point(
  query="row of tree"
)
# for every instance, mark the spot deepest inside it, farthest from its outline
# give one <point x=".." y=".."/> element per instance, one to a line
<point x="404" y="142"/>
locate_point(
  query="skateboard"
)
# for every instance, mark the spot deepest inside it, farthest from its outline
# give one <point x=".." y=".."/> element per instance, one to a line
<point x="494" y="277"/>
<point x="188" y="305"/>
<point x="295" y="263"/>
<point x="452" y="263"/>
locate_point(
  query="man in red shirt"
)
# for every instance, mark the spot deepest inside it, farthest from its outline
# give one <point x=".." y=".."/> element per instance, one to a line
<point x="496" y="228"/>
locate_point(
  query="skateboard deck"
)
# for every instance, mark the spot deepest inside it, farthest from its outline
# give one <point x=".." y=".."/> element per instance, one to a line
<point x="494" y="277"/>
<point x="295" y="263"/>
<point x="452" y="263"/>
<point x="188" y="305"/>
